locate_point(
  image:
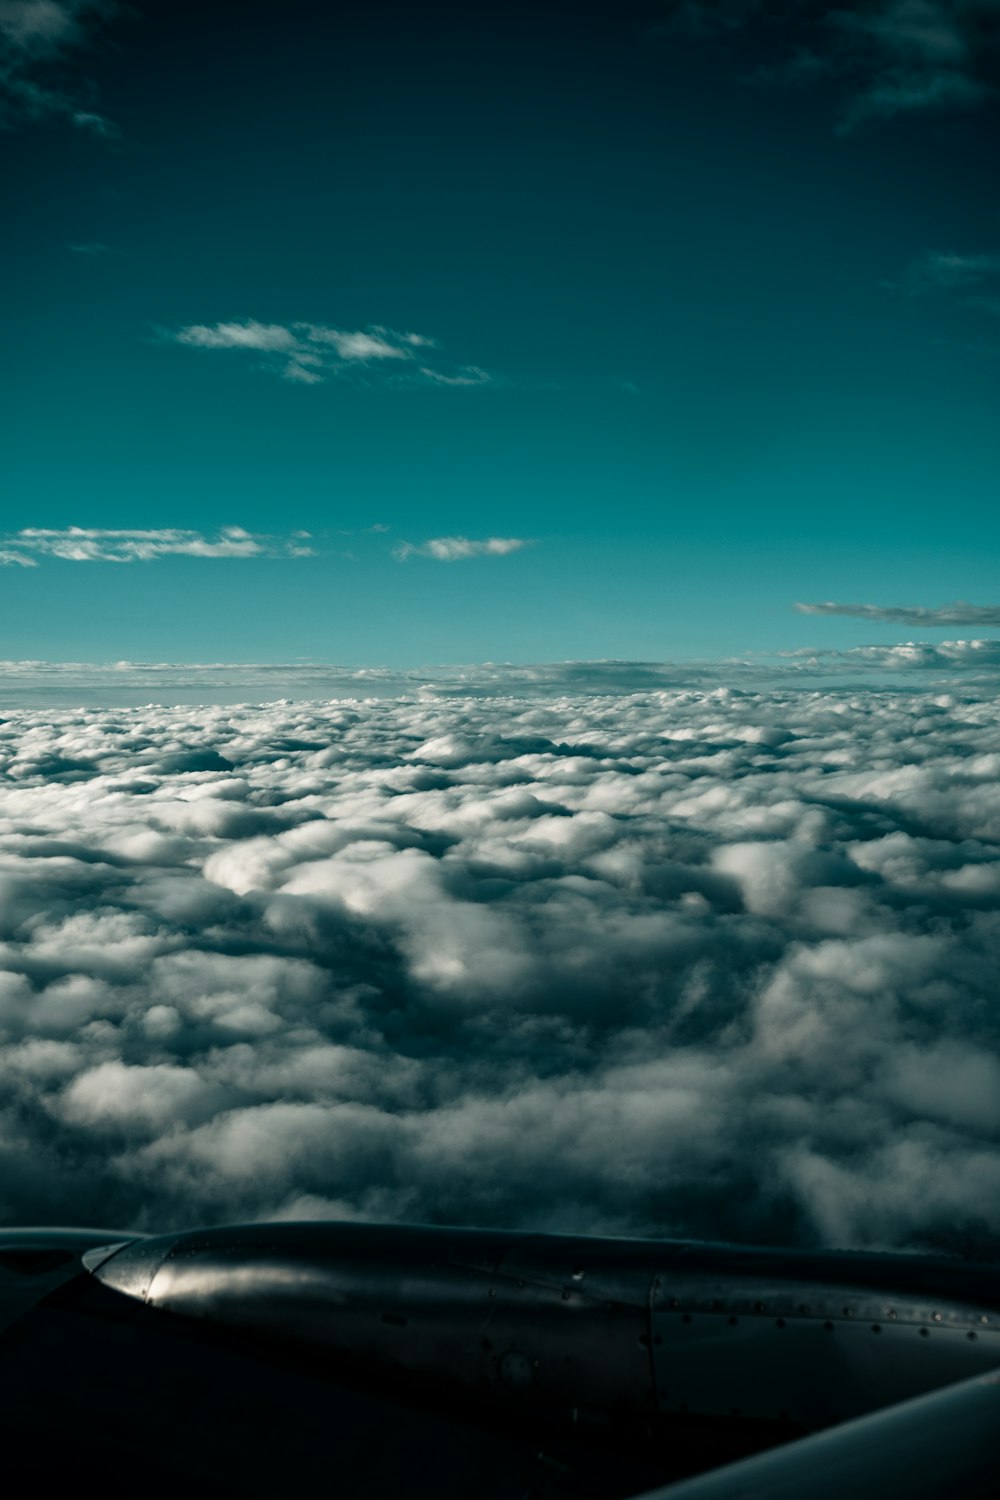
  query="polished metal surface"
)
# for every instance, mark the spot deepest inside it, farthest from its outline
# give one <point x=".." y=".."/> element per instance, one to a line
<point x="816" y="1339"/>
<point x="603" y="1329"/>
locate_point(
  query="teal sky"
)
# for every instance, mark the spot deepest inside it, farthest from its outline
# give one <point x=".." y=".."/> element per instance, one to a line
<point x="706" y="310"/>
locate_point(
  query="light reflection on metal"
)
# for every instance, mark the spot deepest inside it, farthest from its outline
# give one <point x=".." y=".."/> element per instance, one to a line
<point x="614" y="1329"/>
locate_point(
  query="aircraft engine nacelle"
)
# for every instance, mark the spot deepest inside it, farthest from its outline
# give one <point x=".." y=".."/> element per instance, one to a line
<point x="604" y="1330"/>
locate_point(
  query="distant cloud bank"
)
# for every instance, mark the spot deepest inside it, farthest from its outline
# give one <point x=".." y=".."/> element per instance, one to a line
<point x="714" y="963"/>
<point x="981" y="615"/>
<point x="309" y="353"/>
<point x="962" y="666"/>
<point x="102" y="544"/>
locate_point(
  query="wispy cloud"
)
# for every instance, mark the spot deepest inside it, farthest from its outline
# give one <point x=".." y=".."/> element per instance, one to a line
<point x="99" y="544"/>
<point x="91" y="250"/>
<point x="250" y="335"/>
<point x="890" y="57"/>
<point x="918" y="55"/>
<point x="948" y="271"/>
<point x="308" y="353"/>
<point x="351" y="347"/>
<point x="453" y="548"/>
<point x="469" y="375"/>
<point x="39" y="40"/>
<point x="959" y="613"/>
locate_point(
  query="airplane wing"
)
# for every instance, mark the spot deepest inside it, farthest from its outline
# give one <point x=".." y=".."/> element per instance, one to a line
<point x="382" y="1360"/>
<point x="934" y="1446"/>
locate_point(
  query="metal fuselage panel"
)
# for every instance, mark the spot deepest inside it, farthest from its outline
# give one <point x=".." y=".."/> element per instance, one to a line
<point x="814" y="1355"/>
<point x="617" y="1329"/>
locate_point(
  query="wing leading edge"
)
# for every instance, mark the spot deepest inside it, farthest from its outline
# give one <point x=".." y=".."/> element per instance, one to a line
<point x="936" y="1445"/>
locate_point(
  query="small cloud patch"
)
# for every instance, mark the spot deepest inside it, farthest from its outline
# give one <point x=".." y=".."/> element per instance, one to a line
<point x="100" y="544"/>
<point x="455" y="548"/>
<point x="309" y="353"/>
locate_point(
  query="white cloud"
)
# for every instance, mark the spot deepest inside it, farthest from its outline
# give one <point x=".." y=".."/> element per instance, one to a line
<point x="469" y="375"/>
<point x="907" y="656"/>
<point x="9" y="559"/>
<point x="452" y="548"/>
<point x="249" y="335"/>
<point x="706" y="961"/>
<point x="359" y="346"/>
<point x="302" y="370"/>
<point x="308" y="353"/>
<point x="981" y="615"/>
<point x="101" y="544"/>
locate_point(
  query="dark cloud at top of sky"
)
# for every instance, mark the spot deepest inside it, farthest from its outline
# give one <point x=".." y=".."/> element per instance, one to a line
<point x="980" y="615"/>
<point x="888" y="57"/>
<point x="710" y="963"/>
<point x="41" y="44"/>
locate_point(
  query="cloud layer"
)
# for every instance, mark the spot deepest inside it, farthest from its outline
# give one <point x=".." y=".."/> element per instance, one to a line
<point x="962" y="666"/>
<point x="676" y="962"/>
<point x="983" y="616"/>
<point x="101" y="544"/>
<point x="309" y="353"/>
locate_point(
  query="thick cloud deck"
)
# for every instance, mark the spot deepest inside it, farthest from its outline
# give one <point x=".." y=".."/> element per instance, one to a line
<point x="719" y="964"/>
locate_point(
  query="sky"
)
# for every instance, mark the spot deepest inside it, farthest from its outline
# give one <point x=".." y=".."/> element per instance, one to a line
<point x="499" y="627"/>
<point x="395" y="336"/>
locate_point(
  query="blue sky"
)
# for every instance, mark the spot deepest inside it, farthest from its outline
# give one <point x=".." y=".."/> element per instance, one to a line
<point x="518" y="333"/>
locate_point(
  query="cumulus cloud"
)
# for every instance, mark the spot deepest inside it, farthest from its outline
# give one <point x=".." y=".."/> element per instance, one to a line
<point x="452" y="548"/>
<point x="102" y="544"/>
<point x="889" y="57"/>
<point x="981" y="615"/>
<point x="307" y="353"/>
<point x="40" y="41"/>
<point x="982" y="656"/>
<point x="691" y="961"/>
